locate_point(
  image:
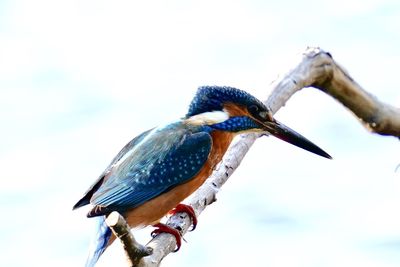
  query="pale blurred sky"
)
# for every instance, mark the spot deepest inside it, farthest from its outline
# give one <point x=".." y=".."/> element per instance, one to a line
<point x="79" y="79"/>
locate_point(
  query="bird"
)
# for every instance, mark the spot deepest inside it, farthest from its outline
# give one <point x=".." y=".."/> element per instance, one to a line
<point x="159" y="168"/>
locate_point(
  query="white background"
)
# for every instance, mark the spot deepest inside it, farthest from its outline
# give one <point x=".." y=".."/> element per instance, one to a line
<point x="79" y="79"/>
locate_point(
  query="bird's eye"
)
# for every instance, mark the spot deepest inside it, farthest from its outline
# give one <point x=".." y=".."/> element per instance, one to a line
<point x="263" y="114"/>
<point x="253" y="110"/>
<point x="258" y="113"/>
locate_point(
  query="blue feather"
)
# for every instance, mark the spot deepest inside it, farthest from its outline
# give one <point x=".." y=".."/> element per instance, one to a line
<point x="211" y="98"/>
<point x="166" y="157"/>
<point x="236" y="124"/>
<point x="99" y="242"/>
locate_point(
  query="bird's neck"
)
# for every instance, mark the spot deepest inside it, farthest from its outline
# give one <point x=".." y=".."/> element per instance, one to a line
<point x="221" y="142"/>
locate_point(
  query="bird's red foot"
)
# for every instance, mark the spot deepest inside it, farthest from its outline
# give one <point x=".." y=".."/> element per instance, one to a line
<point x="163" y="228"/>
<point x="189" y="210"/>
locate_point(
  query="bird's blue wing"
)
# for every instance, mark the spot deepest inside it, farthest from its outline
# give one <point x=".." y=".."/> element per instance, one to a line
<point x="156" y="166"/>
<point x="86" y="197"/>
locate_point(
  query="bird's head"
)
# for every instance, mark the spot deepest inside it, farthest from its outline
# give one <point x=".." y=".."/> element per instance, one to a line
<point x="234" y="110"/>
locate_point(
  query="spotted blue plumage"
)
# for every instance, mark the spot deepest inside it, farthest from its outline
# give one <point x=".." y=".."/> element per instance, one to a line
<point x="236" y="124"/>
<point x="210" y="98"/>
<point x="89" y="193"/>
<point x="152" y="167"/>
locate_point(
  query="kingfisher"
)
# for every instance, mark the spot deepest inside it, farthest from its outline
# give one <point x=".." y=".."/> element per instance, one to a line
<point x="159" y="168"/>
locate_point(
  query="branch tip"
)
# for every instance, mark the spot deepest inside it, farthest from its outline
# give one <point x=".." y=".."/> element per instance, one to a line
<point x="133" y="250"/>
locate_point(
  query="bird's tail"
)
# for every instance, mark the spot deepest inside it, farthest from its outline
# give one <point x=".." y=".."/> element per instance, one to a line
<point x="99" y="243"/>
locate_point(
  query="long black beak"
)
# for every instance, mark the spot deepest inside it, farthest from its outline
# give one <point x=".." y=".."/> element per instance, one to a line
<point x="284" y="133"/>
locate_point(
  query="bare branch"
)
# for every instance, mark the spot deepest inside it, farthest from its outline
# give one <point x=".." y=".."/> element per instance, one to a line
<point x="316" y="69"/>
<point x="376" y="116"/>
<point x="134" y="251"/>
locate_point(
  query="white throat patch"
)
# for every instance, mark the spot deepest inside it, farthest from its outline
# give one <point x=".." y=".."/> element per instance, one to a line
<point x="208" y="118"/>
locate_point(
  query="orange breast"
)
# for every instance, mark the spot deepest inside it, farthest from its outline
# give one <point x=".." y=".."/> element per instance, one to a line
<point x="152" y="211"/>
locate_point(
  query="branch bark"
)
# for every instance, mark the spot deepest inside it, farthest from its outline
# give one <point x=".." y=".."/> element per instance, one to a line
<point x="133" y="250"/>
<point x="315" y="69"/>
<point x="376" y="116"/>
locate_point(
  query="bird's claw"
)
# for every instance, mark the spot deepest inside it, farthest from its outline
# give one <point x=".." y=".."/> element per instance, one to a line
<point x="163" y="228"/>
<point x="189" y="210"/>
